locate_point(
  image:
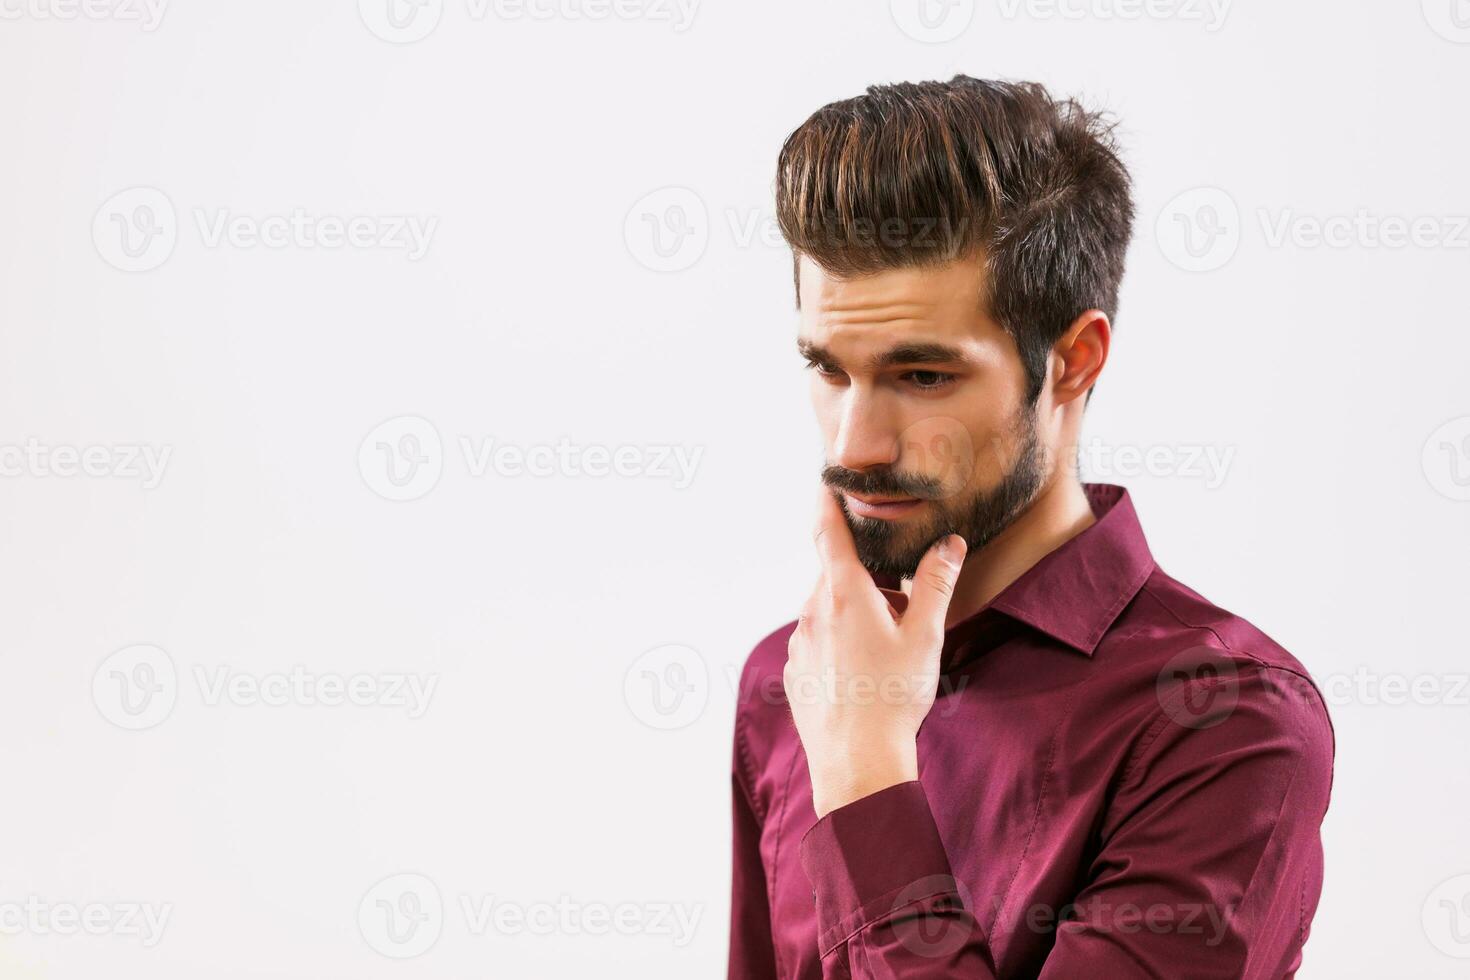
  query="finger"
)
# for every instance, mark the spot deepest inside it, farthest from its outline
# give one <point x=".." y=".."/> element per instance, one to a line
<point x="934" y="583"/>
<point x="835" y="547"/>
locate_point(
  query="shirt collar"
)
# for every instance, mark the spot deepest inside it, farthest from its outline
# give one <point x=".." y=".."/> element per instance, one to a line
<point x="1075" y="592"/>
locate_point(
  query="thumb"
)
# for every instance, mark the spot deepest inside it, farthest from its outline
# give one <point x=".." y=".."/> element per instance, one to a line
<point x="934" y="584"/>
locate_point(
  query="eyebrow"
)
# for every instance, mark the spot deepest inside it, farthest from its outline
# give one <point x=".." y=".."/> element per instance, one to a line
<point x="926" y="353"/>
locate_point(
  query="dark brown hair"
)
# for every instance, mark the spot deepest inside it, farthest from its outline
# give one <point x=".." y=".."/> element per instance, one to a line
<point x="923" y="173"/>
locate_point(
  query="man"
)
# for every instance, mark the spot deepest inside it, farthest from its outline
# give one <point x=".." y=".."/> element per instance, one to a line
<point x="999" y="741"/>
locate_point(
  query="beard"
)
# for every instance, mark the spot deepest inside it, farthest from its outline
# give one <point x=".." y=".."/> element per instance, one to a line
<point x="894" y="548"/>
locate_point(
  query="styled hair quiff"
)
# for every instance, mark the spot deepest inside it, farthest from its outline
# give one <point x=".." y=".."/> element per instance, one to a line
<point x="924" y="173"/>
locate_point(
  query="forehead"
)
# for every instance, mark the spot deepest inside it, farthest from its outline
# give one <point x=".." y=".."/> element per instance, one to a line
<point x="942" y="302"/>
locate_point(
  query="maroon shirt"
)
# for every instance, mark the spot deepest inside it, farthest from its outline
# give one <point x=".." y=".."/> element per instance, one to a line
<point x="1118" y="779"/>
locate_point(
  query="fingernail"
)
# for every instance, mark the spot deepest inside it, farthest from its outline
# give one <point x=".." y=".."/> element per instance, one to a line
<point x="950" y="548"/>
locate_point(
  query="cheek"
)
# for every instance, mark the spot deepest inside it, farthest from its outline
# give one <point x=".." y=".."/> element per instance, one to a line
<point x="827" y="410"/>
<point x="941" y="448"/>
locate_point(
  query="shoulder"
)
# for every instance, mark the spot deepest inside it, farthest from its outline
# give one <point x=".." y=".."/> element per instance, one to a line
<point x="1199" y="674"/>
<point x="764" y="665"/>
<point x="1166" y="620"/>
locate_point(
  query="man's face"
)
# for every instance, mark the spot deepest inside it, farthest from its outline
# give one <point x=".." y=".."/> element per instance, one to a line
<point x="920" y="398"/>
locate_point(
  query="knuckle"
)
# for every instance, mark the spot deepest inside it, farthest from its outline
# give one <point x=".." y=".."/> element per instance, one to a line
<point x="940" y="583"/>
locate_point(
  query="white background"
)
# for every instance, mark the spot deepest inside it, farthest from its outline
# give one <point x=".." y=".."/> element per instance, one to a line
<point x="541" y="312"/>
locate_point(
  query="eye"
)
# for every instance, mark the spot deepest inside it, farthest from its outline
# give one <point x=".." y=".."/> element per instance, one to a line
<point x="823" y="369"/>
<point x="928" y="380"/>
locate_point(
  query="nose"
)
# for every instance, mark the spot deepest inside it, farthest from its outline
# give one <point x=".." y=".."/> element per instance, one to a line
<point x="866" y="436"/>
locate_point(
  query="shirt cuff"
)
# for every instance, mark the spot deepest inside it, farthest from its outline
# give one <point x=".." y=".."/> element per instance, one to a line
<point x="871" y="858"/>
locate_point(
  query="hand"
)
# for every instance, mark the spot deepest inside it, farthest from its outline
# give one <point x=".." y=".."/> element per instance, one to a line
<point x="861" y="672"/>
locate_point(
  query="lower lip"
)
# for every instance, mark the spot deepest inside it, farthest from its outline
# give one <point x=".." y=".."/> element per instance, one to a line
<point x="882" y="512"/>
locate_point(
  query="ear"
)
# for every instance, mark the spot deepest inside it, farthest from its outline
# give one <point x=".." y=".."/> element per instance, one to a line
<point x="1079" y="356"/>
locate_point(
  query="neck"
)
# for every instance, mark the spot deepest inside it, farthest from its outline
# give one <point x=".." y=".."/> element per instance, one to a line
<point x="1058" y="513"/>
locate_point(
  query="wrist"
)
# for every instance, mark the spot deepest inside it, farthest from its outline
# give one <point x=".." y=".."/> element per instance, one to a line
<point x="861" y="772"/>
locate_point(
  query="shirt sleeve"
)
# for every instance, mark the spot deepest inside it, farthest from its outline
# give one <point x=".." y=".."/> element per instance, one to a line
<point x="1209" y="863"/>
<point x="752" y="956"/>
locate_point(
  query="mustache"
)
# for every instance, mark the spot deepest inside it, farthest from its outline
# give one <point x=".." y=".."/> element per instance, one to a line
<point x="882" y="482"/>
